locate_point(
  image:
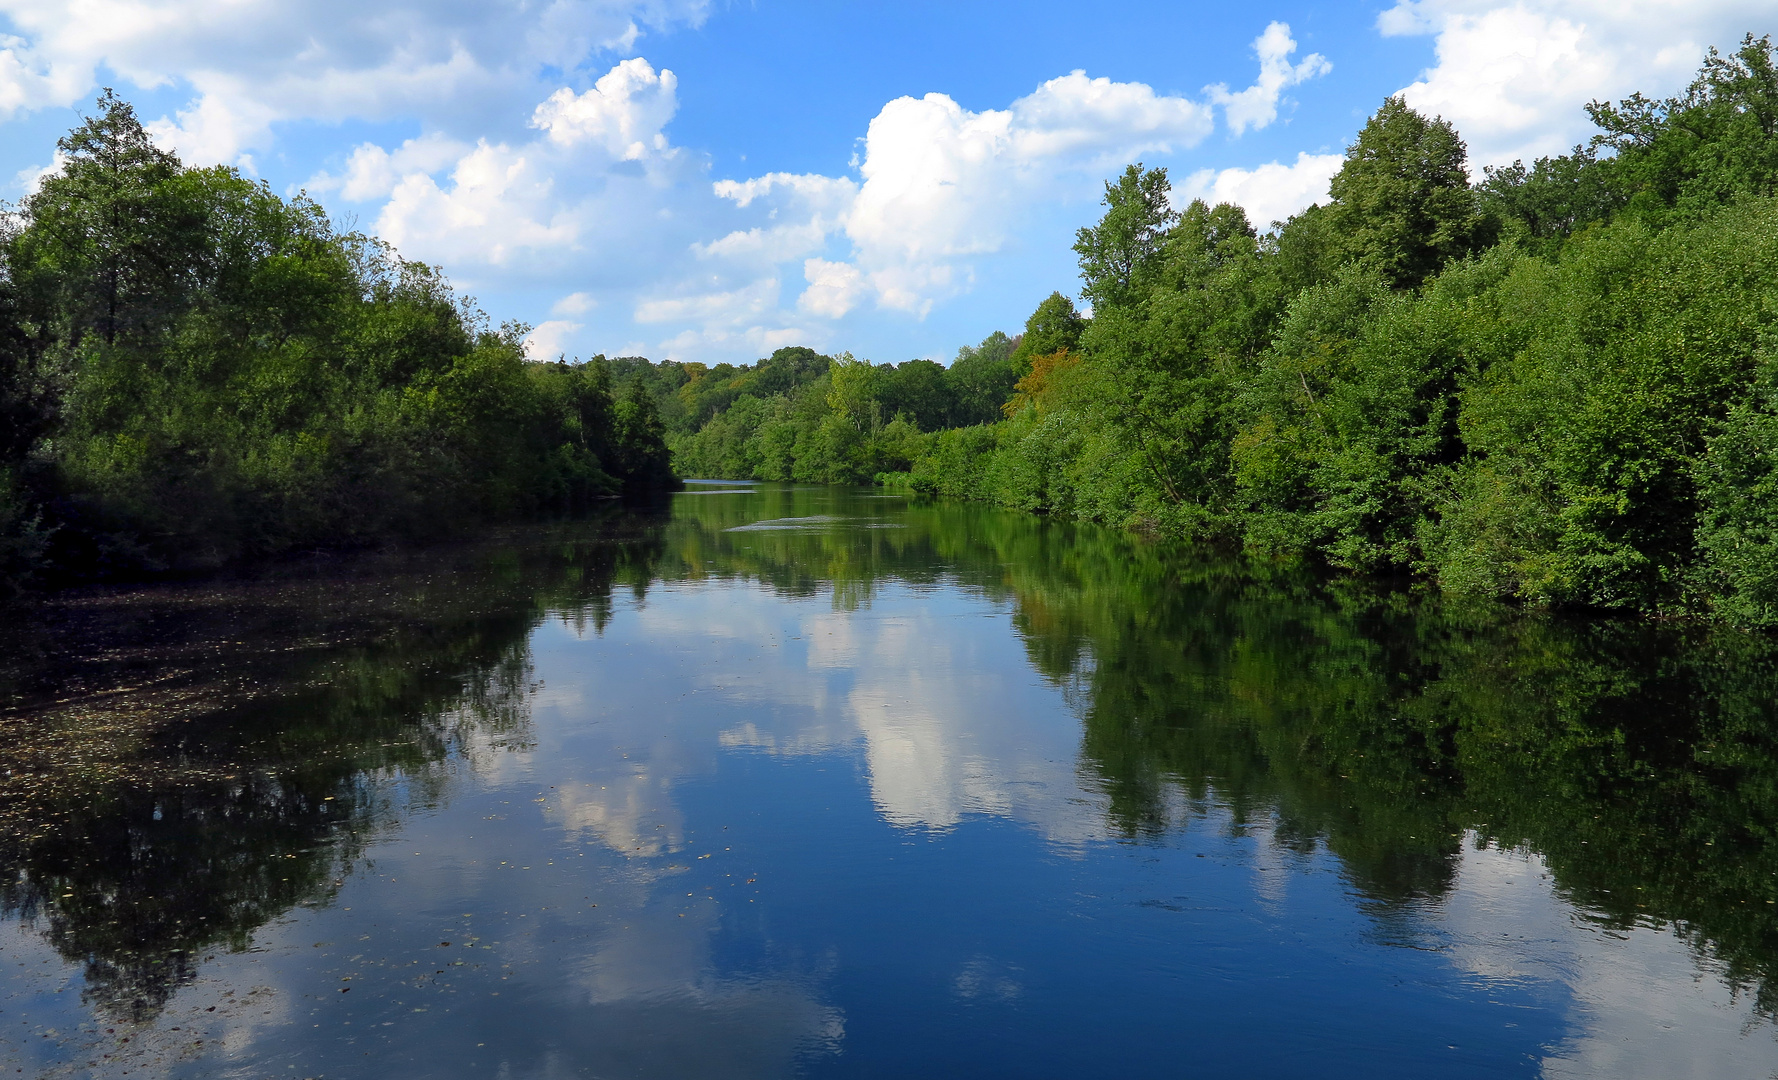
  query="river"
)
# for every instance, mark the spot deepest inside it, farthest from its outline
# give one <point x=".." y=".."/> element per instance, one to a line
<point x="807" y="781"/>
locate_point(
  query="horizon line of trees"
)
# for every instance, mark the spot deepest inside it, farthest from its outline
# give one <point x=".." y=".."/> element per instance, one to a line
<point x="1557" y="385"/>
<point x="804" y="416"/>
<point x="194" y="370"/>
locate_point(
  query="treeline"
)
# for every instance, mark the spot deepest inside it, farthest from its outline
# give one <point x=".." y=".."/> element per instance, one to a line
<point x="1558" y="385"/>
<point x="194" y="370"/>
<point x="799" y="415"/>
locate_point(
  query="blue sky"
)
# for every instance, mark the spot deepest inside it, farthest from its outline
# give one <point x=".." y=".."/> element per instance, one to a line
<point x="706" y="180"/>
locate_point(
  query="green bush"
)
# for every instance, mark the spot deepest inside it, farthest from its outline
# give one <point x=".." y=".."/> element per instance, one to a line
<point x="1737" y="535"/>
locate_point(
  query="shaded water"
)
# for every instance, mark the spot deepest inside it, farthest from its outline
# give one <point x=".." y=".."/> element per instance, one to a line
<point x="808" y="781"/>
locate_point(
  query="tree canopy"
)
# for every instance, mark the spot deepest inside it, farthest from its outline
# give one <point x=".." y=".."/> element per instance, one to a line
<point x="1554" y="386"/>
<point x="1401" y="205"/>
<point x="195" y="370"/>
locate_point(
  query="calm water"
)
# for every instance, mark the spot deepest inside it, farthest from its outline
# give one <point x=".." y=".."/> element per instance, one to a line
<point x="811" y="782"/>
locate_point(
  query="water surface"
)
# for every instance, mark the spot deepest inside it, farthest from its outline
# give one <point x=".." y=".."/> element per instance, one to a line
<point x="817" y="782"/>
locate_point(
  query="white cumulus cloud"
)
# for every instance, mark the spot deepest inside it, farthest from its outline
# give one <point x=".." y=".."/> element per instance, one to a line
<point x="938" y="186"/>
<point x="732" y="308"/>
<point x="810" y="208"/>
<point x="252" y="63"/>
<point x="497" y="203"/>
<point x="1257" y="106"/>
<point x="834" y="288"/>
<point x="373" y="172"/>
<point x="941" y="184"/>
<point x="548" y="340"/>
<point x="1513" y="77"/>
<point x="624" y="112"/>
<point x="941" y="187"/>
<point x="598" y="178"/>
<point x="576" y="303"/>
<point x="215" y="129"/>
<point x="941" y="181"/>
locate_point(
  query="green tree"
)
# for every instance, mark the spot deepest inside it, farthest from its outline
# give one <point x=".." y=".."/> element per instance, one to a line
<point x="1401" y="204"/>
<point x="644" y="462"/>
<point x="1704" y="147"/>
<point x="1737" y="534"/>
<point x="1612" y="373"/>
<point x="1540" y="207"/>
<point x="1160" y="372"/>
<point x="918" y="390"/>
<point x="223" y="374"/>
<point x="1053" y="327"/>
<point x="789" y="367"/>
<point x="112" y="248"/>
<point x="980" y="380"/>
<point x="1120" y="254"/>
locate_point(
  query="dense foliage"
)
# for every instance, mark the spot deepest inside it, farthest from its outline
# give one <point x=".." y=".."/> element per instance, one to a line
<point x="1558" y="385"/>
<point x="798" y="415"/>
<point x="193" y="369"/>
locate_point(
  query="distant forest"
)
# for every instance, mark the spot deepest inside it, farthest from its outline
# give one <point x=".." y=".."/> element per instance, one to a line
<point x="1558" y="385"/>
<point x="194" y="371"/>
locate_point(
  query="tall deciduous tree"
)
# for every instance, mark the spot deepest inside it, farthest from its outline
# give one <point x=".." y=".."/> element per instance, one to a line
<point x="981" y="378"/>
<point x="113" y="247"/>
<point x="1401" y="204"/>
<point x="1541" y="206"/>
<point x="1122" y="252"/>
<point x="1707" y="146"/>
<point x="641" y="441"/>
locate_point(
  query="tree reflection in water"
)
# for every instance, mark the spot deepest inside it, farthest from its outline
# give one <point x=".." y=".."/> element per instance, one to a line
<point x="186" y="763"/>
<point x="183" y="765"/>
<point x="1639" y="760"/>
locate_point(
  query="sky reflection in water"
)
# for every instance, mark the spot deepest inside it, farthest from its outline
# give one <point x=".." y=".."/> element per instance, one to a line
<point x="761" y="790"/>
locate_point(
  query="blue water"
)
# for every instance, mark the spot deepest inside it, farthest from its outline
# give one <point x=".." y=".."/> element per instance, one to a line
<point x="837" y="797"/>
